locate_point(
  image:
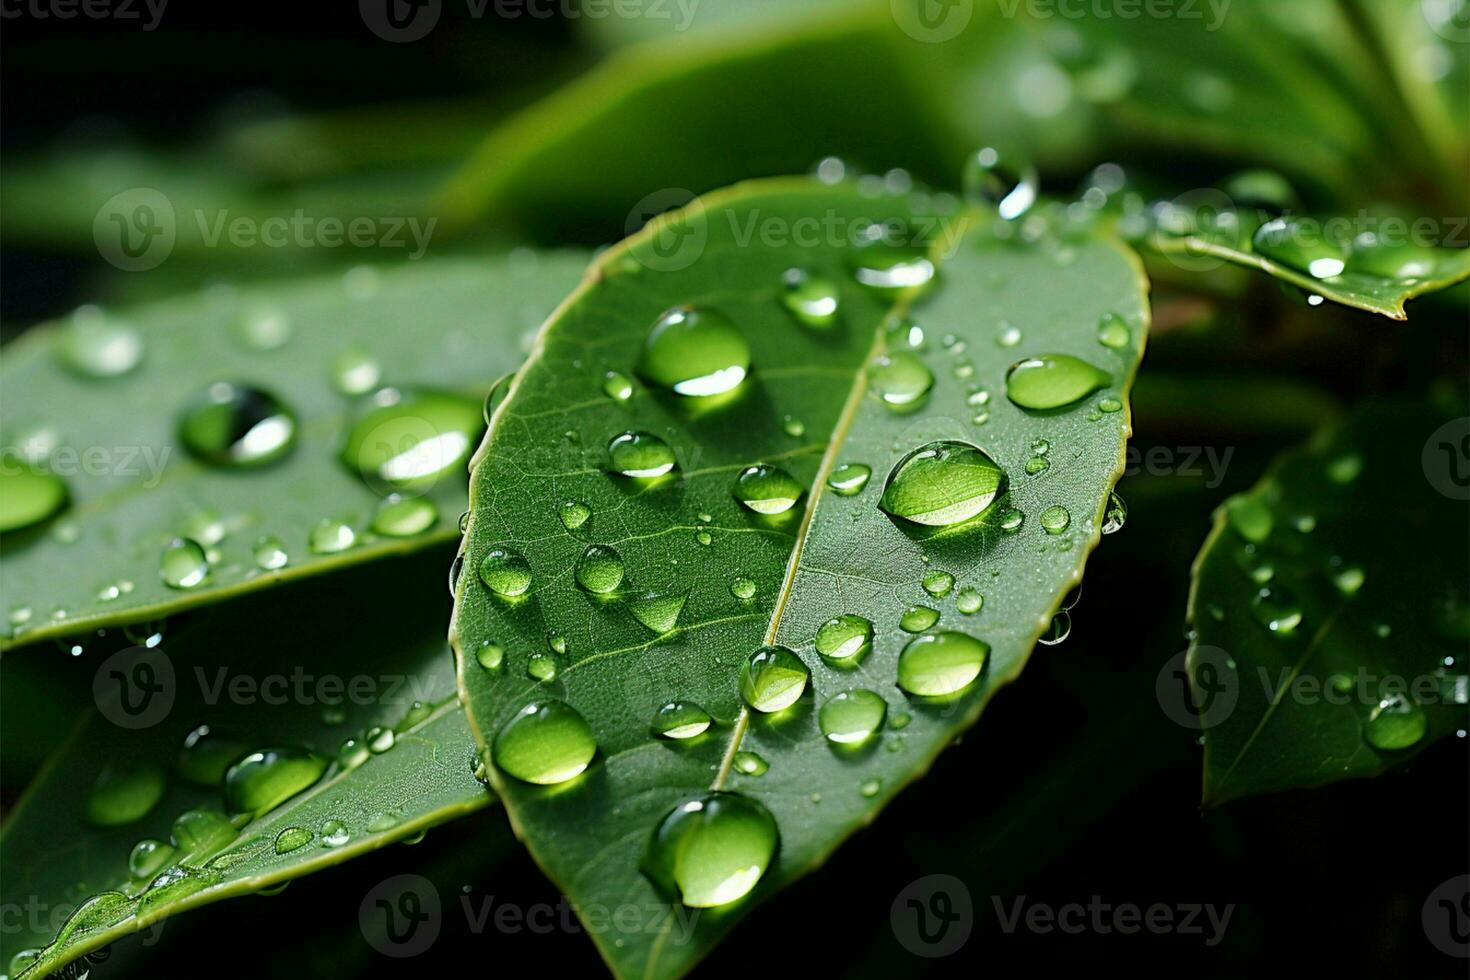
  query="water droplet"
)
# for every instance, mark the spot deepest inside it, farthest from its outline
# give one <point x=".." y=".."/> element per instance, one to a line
<point x="680" y="720"/>
<point x="900" y="379"/>
<point x="1113" y="332"/>
<point x="264" y="328"/>
<point x="1110" y="405"/>
<point x="28" y="495"/>
<point x="573" y="514"/>
<point x="1055" y="519"/>
<point x="352" y="753"/>
<point x="292" y="838"/>
<point x="704" y="537"/>
<point x="506" y="572"/>
<point x="267" y="778"/>
<point x="1004" y="183"/>
<point x="969" y="600"/>
<point x="404" y="517"/>
<point x="490" y="655"/>
<point x="600" y="569"/>
<point x="330" y="536"/>
<point x="694" y="353"/>
<point x="334" y="833"/>
<point x="941" y="484"/>
<point x="123" y="794"/>
<point x="711" y="851"/>
<point x="380" y="739"/>
<point x="1276" y="610"/>
<point x="640" y="455"/>
<point x="617" y="386"/>
<point x="541" y="666"/>
<point x="773" y="678"/>
<point x="1250" y="517"/>
<point x="1057" y="630"/>
<point x="1373" y="256"/>
<point x="793" y="427"/>
<point x="767" y="489"/>
<point x="270" y="554"/>
<point x="849" y="479"/>
<point x="1294" y="244"/>
<point x="1115" y="515"/>
<point x="889" y="270"/>
<point x="148" y="857"/>
<point x="750" y="764"/>
<point x="903" y="334"/>
<point x="916" y="619"/>
<point x="870" y="788"/>
<point x="657" y="611"/>
<point x="742" y="587"/>
<point x="206" y="756"/>
<point x="938" y="583"/>
<point x="1345" y="468"/>
<point x="95" y="345"/>
<point x="410" y="440"/>
<point x="1037" y="465"/>
<point x="238" y="426"/>
<point x="355" y="371"/>
<point x="546" y="742"/>
<point x="183" y="565"/>
<point x="812" y="300"/>
<point x="939" y="664"/>
<point x="844" y="640"/>
<point x="1349" y="579"/>
<point x="1052" y="381"/>
<point x="852" y="717"/>
<point x="1009" y="336"/>
<point x="1395" y="723"/>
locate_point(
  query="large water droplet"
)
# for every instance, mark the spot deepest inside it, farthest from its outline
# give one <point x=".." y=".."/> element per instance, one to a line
<point x="1004" y="183"/>
<point x="844" y="640"/>
<point x="234" y="425"/>
<point x="812" y="300"/>
<point x="404" y="517"/>
<point x="694" y="352"/>
<point x="291" y="839"/>
<point x="773" y="678"/>
<point x="1396" y="722"/>
<point x="600" y="569"/>
<point x="96" y="345"/>
<point x="506" y="572"/>
<point x="183" y="565"/>
<point x="767" y="489"/>
<point x="680" y="720"/>
<point x="123" y="794"/>
<point x="148" y="857"/>
<point x="28" y="495"/>
<point x="711" y="851"/>
<point x="942" y="483"/>
<point x="900" y="379"/>
<point x="410" y="440"/>
<point x="640" y="455"/>
<point x="267" y="778"/>
<point x="939" y="664"/>
<point x="852" y="717"/>
<point x="1295" y="244"/>
<point x="546" y="742"/>
<point x="1052" y="381"/>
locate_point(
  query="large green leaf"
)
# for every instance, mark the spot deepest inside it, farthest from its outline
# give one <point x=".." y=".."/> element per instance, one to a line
<point x="134" y="488"/>
<point x="306" y="667"/>
<point x="1330" y="607"/>
<point x="736" y="579"/>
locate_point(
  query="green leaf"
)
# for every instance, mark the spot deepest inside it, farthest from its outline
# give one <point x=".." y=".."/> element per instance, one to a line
<point x="134" y="488"/>
<point x="1330" y="607"/>
<point x="707" y="580"/>
<point x="305" y="667"/>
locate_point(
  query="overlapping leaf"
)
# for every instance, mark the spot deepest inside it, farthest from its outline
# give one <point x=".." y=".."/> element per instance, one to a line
<point x="133" y="487"/>
<point x="738" y="579"/>
<point x="1330" y="607"/>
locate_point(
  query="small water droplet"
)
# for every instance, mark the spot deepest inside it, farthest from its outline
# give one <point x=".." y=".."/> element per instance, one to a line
<point x="490" y="655"/>
<point x="812" y="300"/>
<point x="1008" y="336"/>
<point x="600" y="570"/>
<point x="541" y="666"/>
<point x="617" y="386"/>
<point x="1112" y="331"/>
<point x="852" y="717"/>
<point x="573" y="514"/>
<point x="900" y="379"/>
<point x="940" y="664"/>
<point x="334" y="833"/>
<point x="404" y="517"/>
<point x="1004" y="183"/>
<point x="331" y="536"/>
<point x="767" y="489"/>
<point x="206" y="756"/>
<point x="969" y="600"/>
<point x="1057" y="630"/>
<point x="380" y="739"/>
<point x="506" y="572"/>
<point x="889" y="270"/>
<point x="938" y="583"/>
<point x="1115" y="515"/>
<point x="1349" y="579"/>
<point x="546" y="742"/>
<point x="96" y="345"/>
<point x="409" y="440"/>
<point x="270" y="554"/>
<point x="870" y="788"/>
<point x="680" y="720"/>
<point x="793" y="427"/>
<point x="694" y="352"/>
<point x="1037" y="465"/>
<point x="1277" y="610"/>
<point x="1056" y="519"/>
<point x="916" y="619"/>
<point x="264" y="328"/>
<point x="712" y="850"/>
<point x="942" y="483"/>
<point x="355" y="371"/>
<point x="750" y="764"/>
<point x="742" y="587"/>
<point x="844" y="640"/>
<point x="291" y="839"/>
<point x="148" y="857"/>
<point x="238" y="426"/>
<point x="28" y="494"/>
<point x="1052" y="381"/>
<point x="183" y="565"/>
<point x="657" y="611"/>
<point x="1344" y="469"/>
<point x="773" y="678"/>
<point x="849" y="479"/>
<point x="640" y="455"/>
<point x="1395" y="723"/>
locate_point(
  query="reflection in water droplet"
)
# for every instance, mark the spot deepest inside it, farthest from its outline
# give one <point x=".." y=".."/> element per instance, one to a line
<point x="916" y="619"/>
<point x="28" y="495"/>
<point x="506" y="572"/>
<point x="1055" y="519"/>
<point x="711" y="851"/>
<point x="617" y="386"/>
<point x="183" y="565"/>
<point x="1395" y="723"/>
<point x="852" y="717"/>
<point x="1052" y="381"/>
<point x="657" y="611"/>
<point x="695" y="353"/>
<point x="844" y="640"/>
<point x="1058" y="630"/>
<point x="334" y="833"/>
<point x="640" y="455"/>
<point x="95" y="345"/>
<point x="331" y="537"/>
<point x="849" y="479"/>
<point x="1116" y="514"/>
<point x="1004" y="183"/>
<point x="355" y="371"/>
<point x="773" y="678"/>
<point x="901" y="380"/>
<point x="888" y="270"/>
<point x="767" y="489"/>
<point x="410" y="440"/>
<point x="238" y="426"/>
<point x="404" y="517"/>
<point x="546" y="742"/>
<point x="680" y="720"/>
<point x="267" y="778"/>
<point x="942" y="483"/>
<point x="812" y="300"/>
<point x="600" y="569"/>
<point x="940" y="664"/>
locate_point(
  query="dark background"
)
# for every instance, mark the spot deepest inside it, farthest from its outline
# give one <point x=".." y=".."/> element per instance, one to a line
<point x="1074" y="784"/>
